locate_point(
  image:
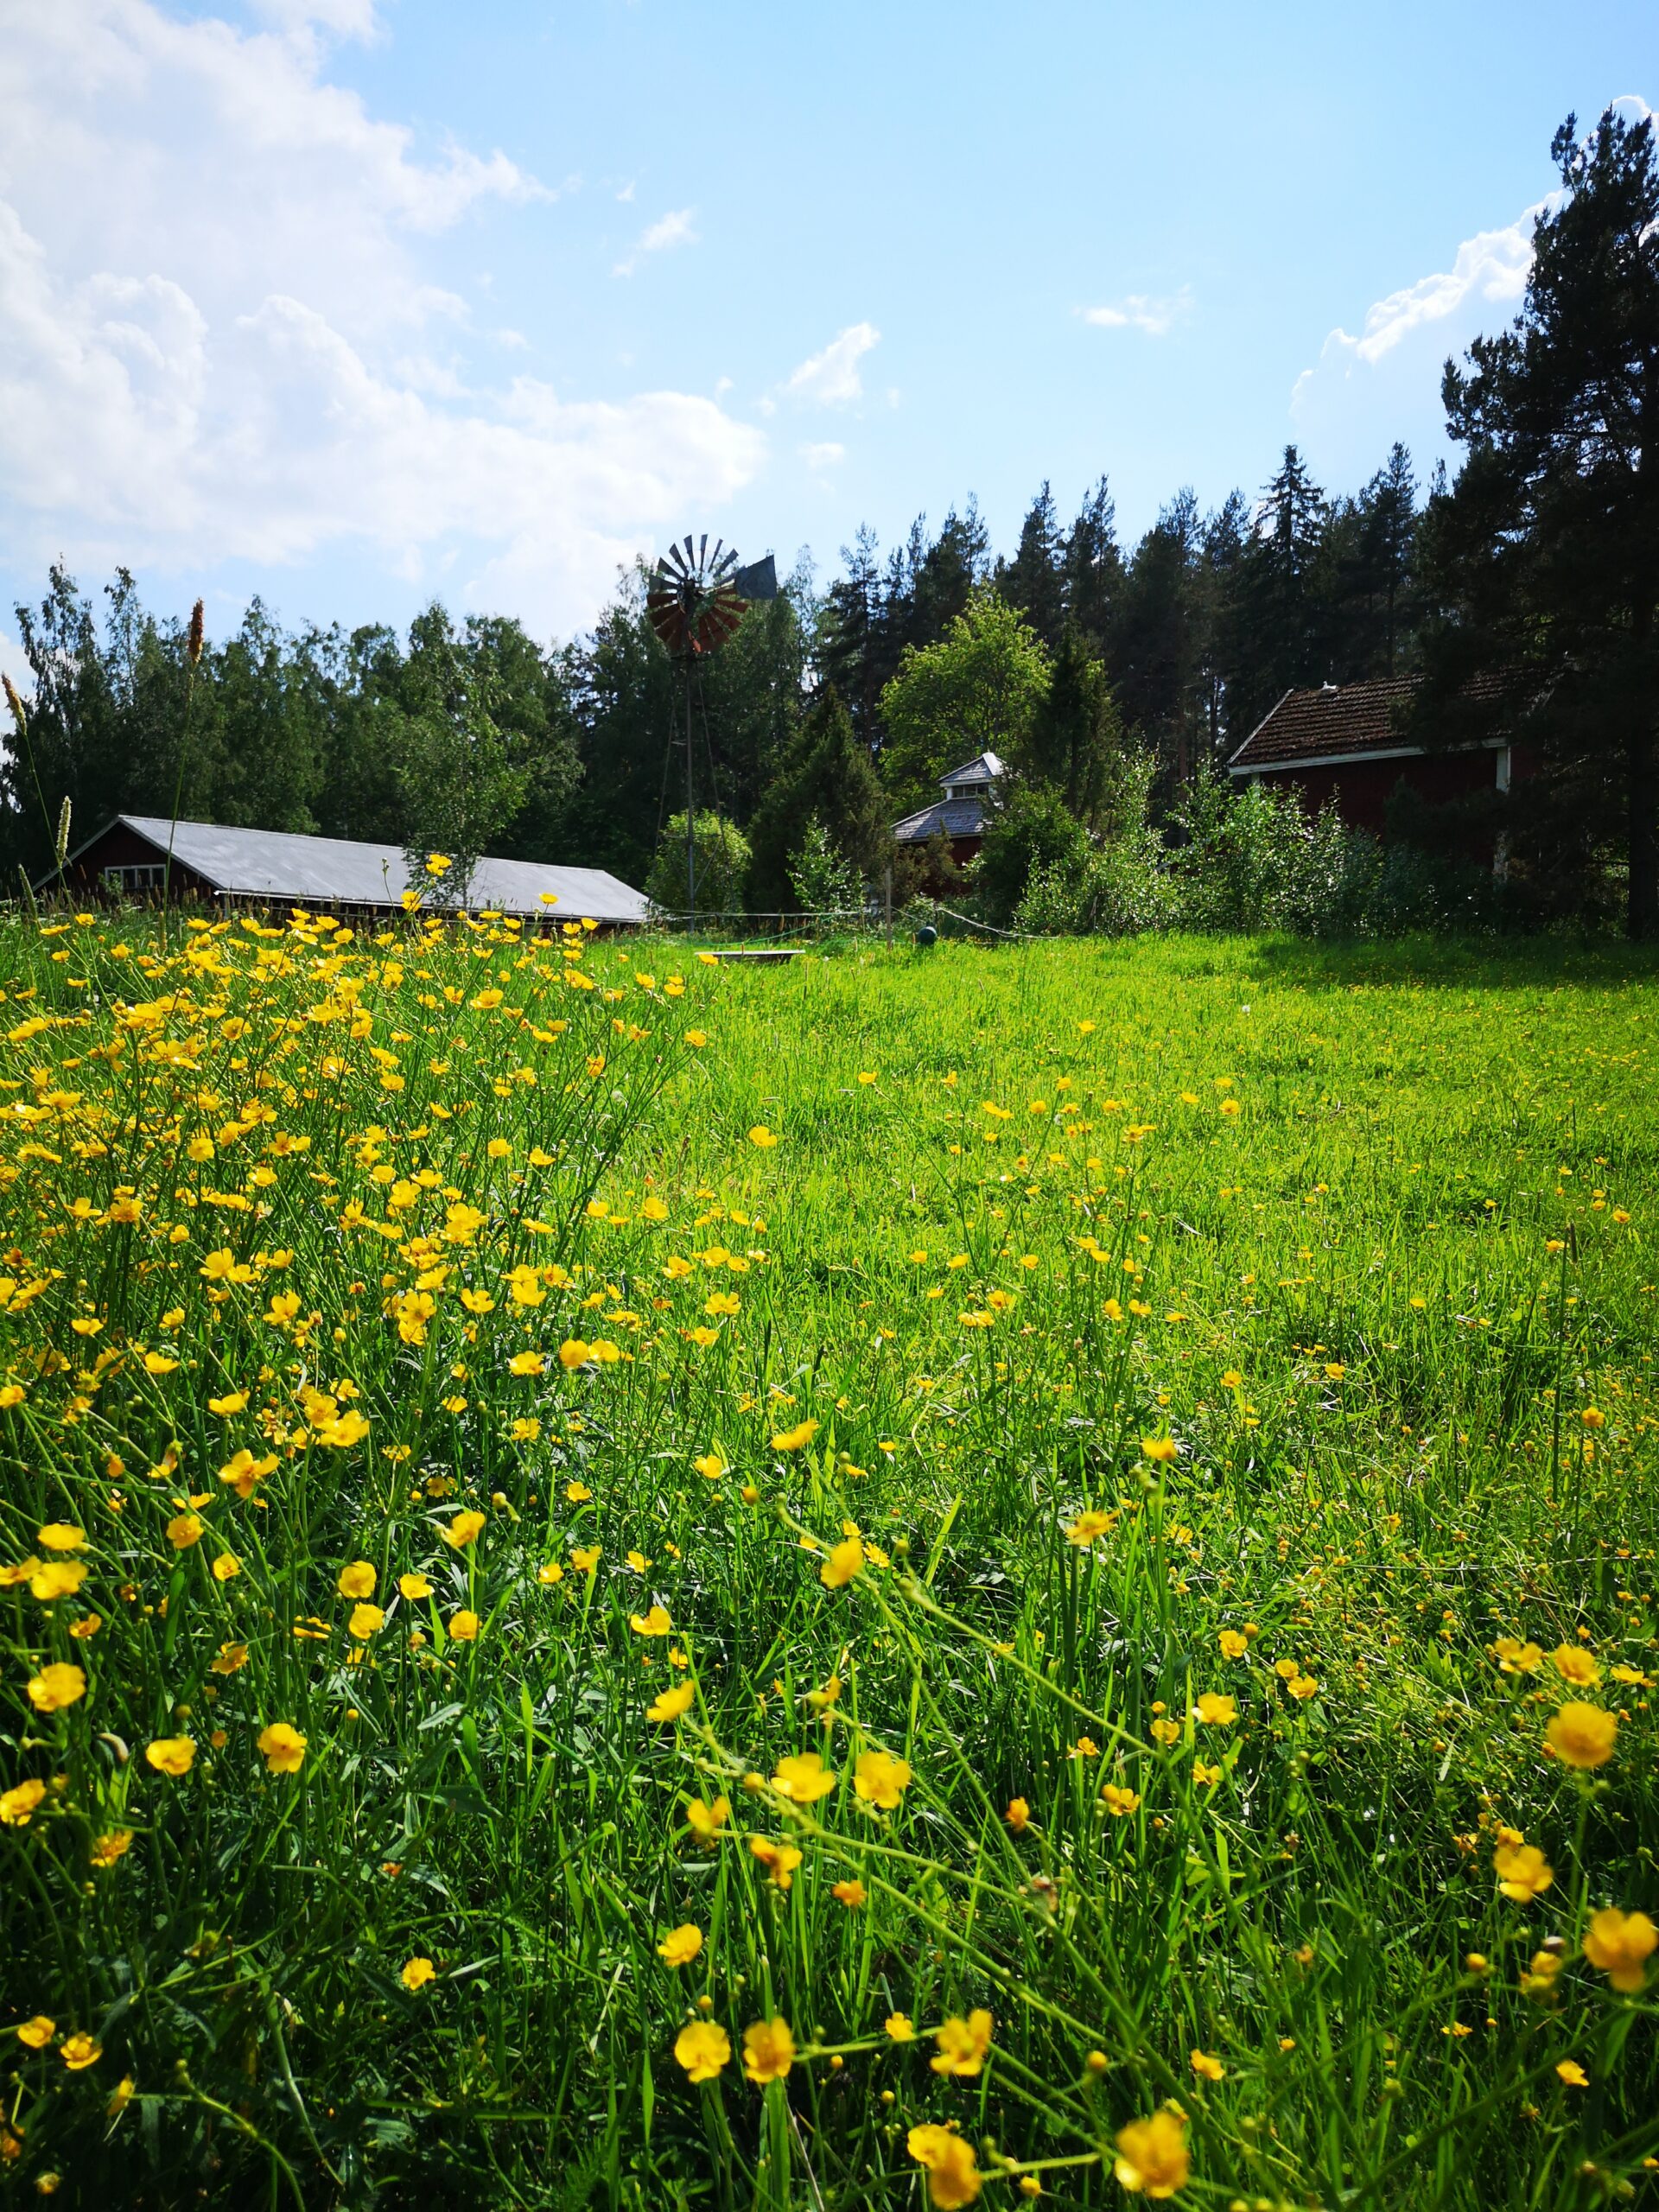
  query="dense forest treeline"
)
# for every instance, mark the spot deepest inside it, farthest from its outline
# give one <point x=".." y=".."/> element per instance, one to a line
<point x="1199" y="628"/>
<point x="1115" y="677"/>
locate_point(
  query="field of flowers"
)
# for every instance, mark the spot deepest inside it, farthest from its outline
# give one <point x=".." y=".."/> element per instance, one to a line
<point x="920" y="1578"/>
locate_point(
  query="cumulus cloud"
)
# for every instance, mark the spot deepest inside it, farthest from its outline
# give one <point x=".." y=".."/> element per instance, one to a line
<point x="1491" y="267"/>
<point x="832" y="377"/>
<point x="1156" y="316"/>
<point x="823" y="455"/>
<point x="340" y="18"/>
<point x="1381" y="381"/>
<point x="264" y="367"/>
<point x="669" y="231"/>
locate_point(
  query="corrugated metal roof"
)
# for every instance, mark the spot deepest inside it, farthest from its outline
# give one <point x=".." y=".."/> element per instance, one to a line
<point x="953" y="818"/>
<point x="279" y="864"/>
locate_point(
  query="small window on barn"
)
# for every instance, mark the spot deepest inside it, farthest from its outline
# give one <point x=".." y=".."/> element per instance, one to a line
<point x="135" y="875"/>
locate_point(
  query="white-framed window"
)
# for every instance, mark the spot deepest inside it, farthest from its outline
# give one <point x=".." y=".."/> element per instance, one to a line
<point x="136" y="875"/>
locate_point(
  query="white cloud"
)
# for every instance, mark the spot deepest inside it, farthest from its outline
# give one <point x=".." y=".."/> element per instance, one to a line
<point x="1141" y="311"/>
<point x="224" y="340"/>
<point x="1491" y="267"/>
<point x="342" y="18"/>
<point x="824" y="455"/>
<point x="1382" y="382"/>
<point x="660" y="237"/>
<point x="832" y="377"/>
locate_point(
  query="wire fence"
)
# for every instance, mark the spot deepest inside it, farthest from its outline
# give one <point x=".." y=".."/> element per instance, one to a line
<point x="869" y="919"/>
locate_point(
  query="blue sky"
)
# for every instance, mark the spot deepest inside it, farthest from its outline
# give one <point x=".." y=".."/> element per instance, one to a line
<point x="352" y="303"/>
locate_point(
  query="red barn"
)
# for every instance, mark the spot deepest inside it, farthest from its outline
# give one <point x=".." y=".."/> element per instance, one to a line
<point x="1344" y="741"/>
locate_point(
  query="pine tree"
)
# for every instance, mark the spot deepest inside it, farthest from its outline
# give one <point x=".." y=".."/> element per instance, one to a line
<point x="1154" y="657"/>
<point x="1546" y="552"/>
<point x="1094" y="569"/>
<point x="1076" y="739"/>
<point x="829" y="777"/>
<point x="1281" y="637"/>
<point x="1033" y="583"/>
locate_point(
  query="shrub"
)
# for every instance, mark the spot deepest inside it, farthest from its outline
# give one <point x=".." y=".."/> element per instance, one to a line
<point x="722" y="853"/>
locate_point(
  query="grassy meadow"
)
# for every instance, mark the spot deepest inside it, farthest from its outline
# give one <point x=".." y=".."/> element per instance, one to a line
<point x="920" y="1578"/>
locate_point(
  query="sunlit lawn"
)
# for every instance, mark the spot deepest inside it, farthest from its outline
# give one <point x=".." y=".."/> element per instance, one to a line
<point x="921" y="1575"/>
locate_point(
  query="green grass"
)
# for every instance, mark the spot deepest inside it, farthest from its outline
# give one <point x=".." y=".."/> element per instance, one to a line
<point x="1370" y="1310"/>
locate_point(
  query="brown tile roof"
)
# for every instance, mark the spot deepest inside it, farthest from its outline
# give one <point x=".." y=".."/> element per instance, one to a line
<point x="1337" y="721"/>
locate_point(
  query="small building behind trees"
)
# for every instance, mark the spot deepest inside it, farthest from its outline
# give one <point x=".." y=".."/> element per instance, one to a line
<point x="1355" y="743"/>
<point x="960" y="817"/>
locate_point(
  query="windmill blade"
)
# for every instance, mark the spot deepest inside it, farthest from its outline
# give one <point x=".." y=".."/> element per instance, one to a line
<point x="691" y="558"/>
<point x="702" y="552"/>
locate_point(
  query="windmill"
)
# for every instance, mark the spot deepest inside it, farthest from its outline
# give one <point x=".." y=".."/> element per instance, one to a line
<point x="694" y="601"/>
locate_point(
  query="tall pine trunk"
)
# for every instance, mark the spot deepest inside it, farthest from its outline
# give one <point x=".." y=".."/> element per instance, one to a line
<point x="1642" y="913"/>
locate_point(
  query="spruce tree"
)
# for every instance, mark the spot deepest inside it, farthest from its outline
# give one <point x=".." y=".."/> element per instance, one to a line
<point x="1033" y="583"/>
<point x="1545" y="555"/>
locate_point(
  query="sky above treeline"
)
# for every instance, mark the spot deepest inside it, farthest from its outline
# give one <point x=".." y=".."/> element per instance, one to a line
<point x="351" y="303"/>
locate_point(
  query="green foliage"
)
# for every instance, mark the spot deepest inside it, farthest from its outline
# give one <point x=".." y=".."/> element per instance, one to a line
<point x="977" y="691"/>
<point x="1075" y="745"/>
<point x="1541" y="555"/>
<point x="823" y="880"/>
<point x="828" y="777"/>
<point x="1032" y="829"/>
<point x="723" y="867"/>
<point x="1322" y="1370"/>
<point x="462" y="778"/>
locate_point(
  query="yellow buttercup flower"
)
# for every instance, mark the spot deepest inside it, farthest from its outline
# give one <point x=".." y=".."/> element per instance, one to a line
<point x="1619" y="1945"/>
<point x="962" y="2044"/>
<point x="1576" y="1666"/>
<point x="1522" y="1873"/>
<point x="57" y="1686"/>
<point x="416" y="1974"/>
<point x="174" y="1755"/>
<point x="1151" y="2156"/>
<point x="673" y="1704"/>
<point x="803" y="1778"/>
<point x="953" y="2174"/>
<point x="768" y="2050"/>
<point x="842" y="1562"/>
<point x="792" y="1439"/>
<point x="356" y="1580"/>
<point x="880" y="1779"/>
<point x="779" y="1860"/>
<point x="462" y="1530"/>
<point x="19" y="1805"/>
<point x="680" y="1946"/>
<point x="284" y="1747"/>
<point x="1582" y="1735"/>
<point x="705" y="1821"/>
<point x="702" y="2049"/>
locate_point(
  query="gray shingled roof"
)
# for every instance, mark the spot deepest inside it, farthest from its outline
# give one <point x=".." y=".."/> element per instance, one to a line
<point x="956" y="818"/>
<point x="984" y="768"/>
<point x="278" y="864"/>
